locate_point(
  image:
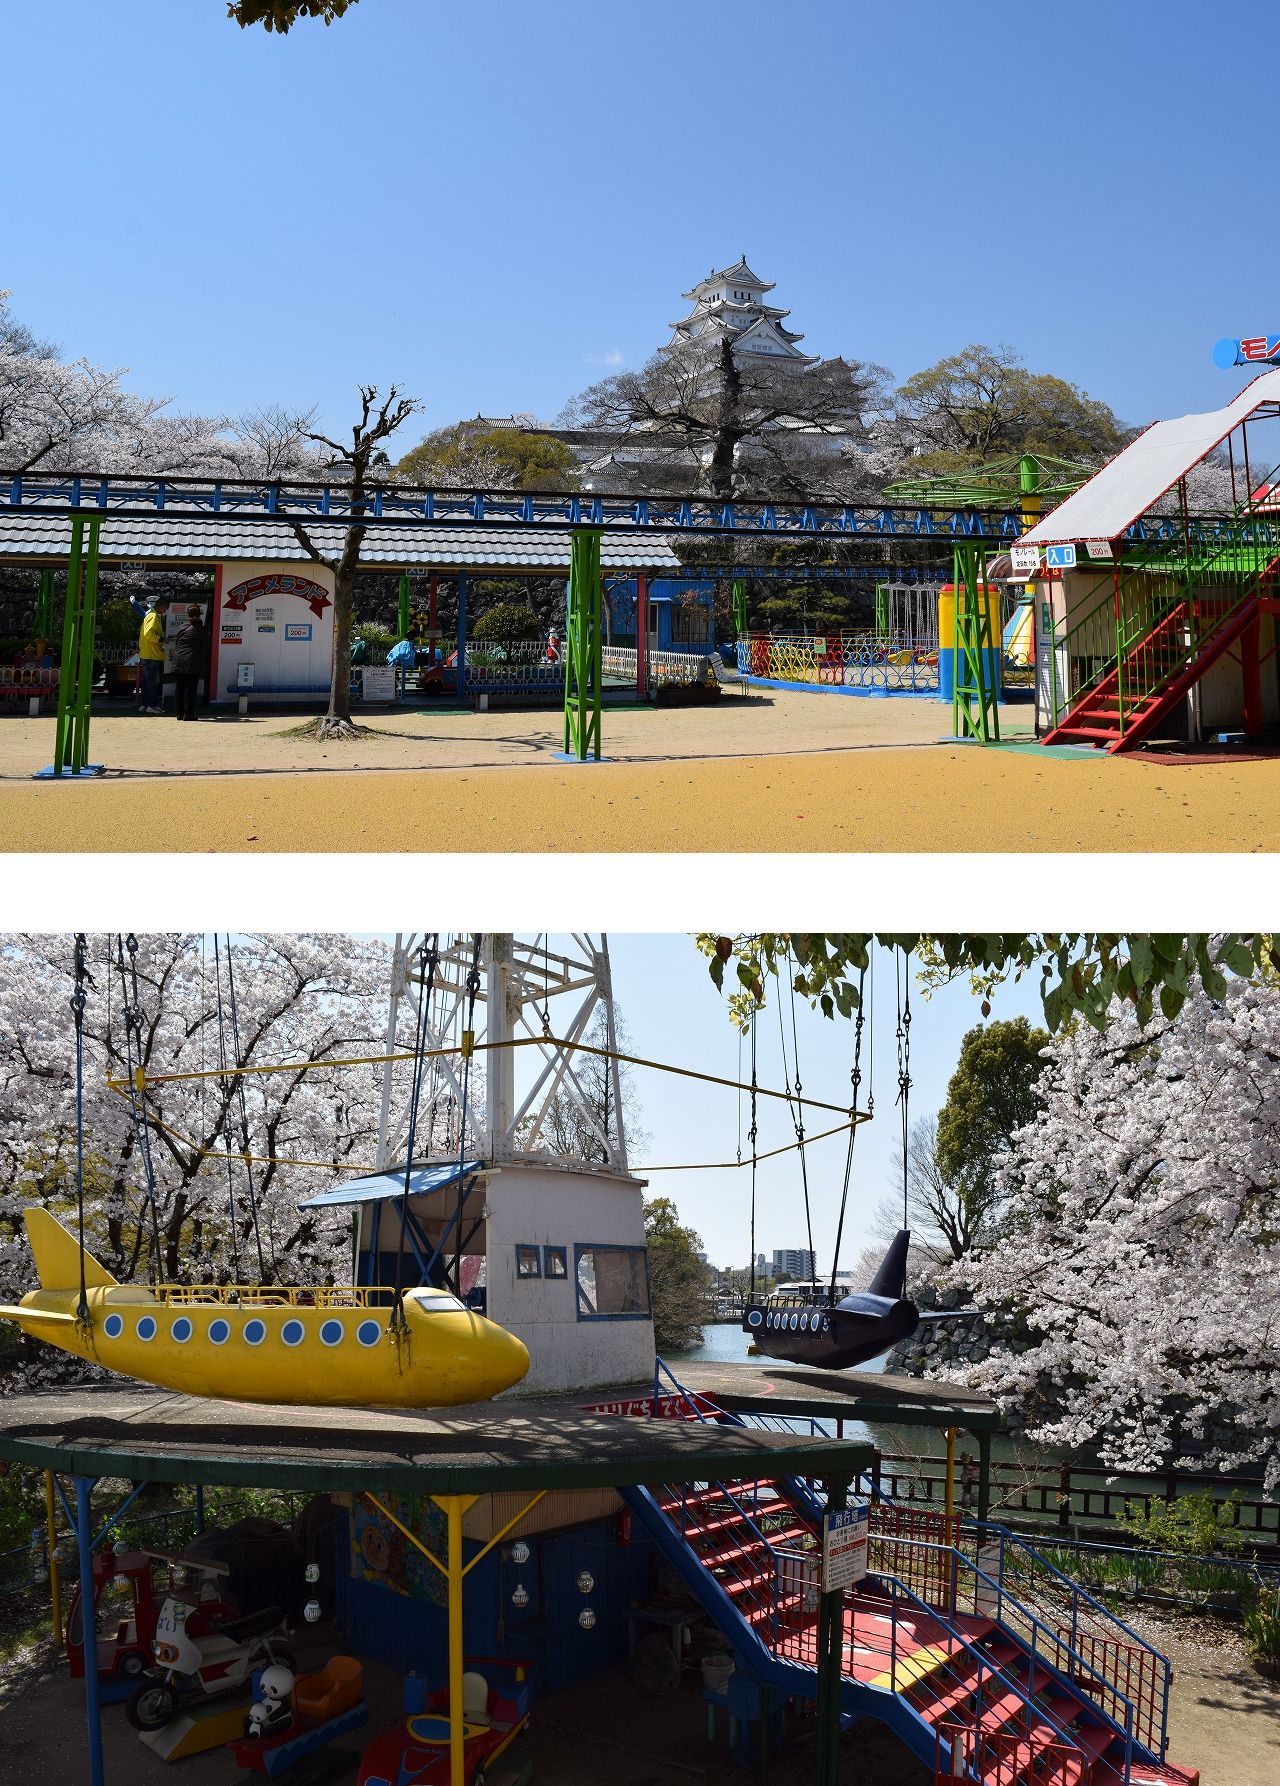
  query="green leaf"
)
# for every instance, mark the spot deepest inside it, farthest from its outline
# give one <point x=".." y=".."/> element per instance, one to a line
<point x="1171" y="1001"/>
<point x="1140" y="959"/>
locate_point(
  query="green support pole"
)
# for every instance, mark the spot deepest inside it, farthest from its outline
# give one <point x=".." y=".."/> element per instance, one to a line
<point x="582" y="650"/>
<point x="87" y="629"/>
<point x="44" y="607"/>
<point x="882" y="610"/>
<point x="974" y="711"/>
<point x="402" y="612"/>
<point x="740" y="607"/>
<point x="67" y="679"/>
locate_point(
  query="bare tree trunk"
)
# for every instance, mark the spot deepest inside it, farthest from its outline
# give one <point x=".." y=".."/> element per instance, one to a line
<point x="339" y="714"/>
<point x="720" y="472"/>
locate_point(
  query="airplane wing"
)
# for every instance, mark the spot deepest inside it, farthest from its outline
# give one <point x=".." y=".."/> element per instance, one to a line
<point x="15" y="1313"/>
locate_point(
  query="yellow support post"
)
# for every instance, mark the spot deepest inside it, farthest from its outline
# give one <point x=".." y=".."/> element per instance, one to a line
<point x="951" y="1435"/>
<point x="51" y="1530"/>
<point x="454" y="1506"/>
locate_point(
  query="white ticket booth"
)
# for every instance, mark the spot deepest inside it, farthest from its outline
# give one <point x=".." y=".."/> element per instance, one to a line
<point x="272" y="631"/>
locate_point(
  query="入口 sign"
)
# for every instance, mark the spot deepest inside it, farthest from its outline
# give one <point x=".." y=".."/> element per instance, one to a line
<point x="1060" y="558"/>
<point x="844" y="1548"/>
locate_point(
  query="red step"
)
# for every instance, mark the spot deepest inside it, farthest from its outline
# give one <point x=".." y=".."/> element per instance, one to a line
<point x="1095" y="719"/>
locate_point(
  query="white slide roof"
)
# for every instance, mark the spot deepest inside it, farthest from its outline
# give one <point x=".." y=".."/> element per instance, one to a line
<point x="1124" y="489"/>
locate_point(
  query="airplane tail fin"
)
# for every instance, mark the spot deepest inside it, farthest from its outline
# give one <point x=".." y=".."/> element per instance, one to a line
<point x="57" y="1255"/>
<point x="891" y="1275"/>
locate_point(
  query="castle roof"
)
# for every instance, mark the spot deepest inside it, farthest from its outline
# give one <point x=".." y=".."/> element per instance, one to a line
<point x="738" y="274"/>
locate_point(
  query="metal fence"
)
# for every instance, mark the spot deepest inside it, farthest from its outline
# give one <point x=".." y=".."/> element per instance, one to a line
<point x="873" y="662"/>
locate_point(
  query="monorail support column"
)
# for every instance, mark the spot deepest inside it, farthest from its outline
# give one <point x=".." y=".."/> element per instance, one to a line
<point x="582" y="651"/>
<point x="462" y="638"/>
<point x="642" y="637"/>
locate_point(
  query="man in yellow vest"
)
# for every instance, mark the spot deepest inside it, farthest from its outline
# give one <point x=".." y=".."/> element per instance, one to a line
<point x="151" y="657"/>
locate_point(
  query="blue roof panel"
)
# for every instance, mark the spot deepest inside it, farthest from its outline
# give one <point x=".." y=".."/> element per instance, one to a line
<point x="380" y="1187"/>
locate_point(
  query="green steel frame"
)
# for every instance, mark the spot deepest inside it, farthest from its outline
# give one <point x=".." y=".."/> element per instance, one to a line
<point x="740" y="607"/>
<point x="974" y="709"/>
<point x="75" y="678"/>
<point x="582" y="650"/>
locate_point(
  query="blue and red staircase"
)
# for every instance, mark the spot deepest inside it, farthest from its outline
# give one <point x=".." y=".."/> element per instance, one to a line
<point x="976" y="1683"/>
<point x="1160" y="624"/>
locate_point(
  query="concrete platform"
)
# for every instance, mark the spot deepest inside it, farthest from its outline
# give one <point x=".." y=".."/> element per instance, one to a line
<point x="771" y="1388"/>
<point x="513" y="1444"/>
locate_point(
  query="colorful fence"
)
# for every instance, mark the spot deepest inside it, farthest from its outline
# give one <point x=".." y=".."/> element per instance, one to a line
<point x="872" y="662"/>
<point x="27" y="683"/>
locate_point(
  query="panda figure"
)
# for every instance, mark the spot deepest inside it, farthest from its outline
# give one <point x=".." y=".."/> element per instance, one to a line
<point x="272" y="1715"/>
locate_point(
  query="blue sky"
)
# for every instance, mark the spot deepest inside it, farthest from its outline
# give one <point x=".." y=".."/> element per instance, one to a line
<point x="675" y="1014"/>
<point x="495" y="205"/>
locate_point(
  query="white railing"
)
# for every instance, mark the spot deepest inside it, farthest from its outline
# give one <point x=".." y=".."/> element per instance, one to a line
<point x="665" y="668"/>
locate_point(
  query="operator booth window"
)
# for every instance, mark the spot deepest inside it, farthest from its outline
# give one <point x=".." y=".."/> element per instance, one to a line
<point x="527" y="1262"/>
<point x="613" y="1283"/>
<point x="555" y="1262"/>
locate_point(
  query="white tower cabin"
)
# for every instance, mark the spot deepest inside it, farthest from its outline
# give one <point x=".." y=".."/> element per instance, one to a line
<point x="529" y="1206"/>
<point x="730" y="302"/>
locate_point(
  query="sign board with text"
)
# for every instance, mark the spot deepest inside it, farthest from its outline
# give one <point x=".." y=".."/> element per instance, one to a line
<point x="844" y="1548"/>
<point x="280" y="617"/>
<point x="1060" y="558"/>
<point x="378" y="682"/>
<point x="1026" y="558"/>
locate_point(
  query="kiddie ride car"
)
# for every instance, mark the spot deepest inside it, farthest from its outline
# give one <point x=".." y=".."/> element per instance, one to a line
<point x="417" y="1753"/>
<point x="201" y="1656"/>
<point x="291" y="1718"/>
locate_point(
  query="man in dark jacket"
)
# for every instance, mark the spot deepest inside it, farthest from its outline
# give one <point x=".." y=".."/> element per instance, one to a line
<point x="190" y="649"/>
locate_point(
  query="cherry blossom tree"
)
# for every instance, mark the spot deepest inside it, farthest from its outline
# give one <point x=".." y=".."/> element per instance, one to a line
<point x="1141" y="1239"/>
<point x="70" y="415"/>
<point x="299" y="998"/>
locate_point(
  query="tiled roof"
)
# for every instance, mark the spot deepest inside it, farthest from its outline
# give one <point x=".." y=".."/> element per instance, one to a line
<point x="497" y="546"/>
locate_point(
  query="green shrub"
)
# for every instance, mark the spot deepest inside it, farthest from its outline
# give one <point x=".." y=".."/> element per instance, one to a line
<point x="1262" y="1631"/>
<point x="1190" y="1525"/>
<point x="377" y="638"/>
<point x="117" y="622"/>
<point x="508" y="624"/>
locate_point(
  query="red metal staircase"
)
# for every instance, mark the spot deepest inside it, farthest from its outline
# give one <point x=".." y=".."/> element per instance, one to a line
<point x="972" y="1680"/>
<point x="1160" y="624"/>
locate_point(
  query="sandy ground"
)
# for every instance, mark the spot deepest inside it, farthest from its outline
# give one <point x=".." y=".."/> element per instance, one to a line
<point x="736" y="725"/>
<point x="1224" y="1718"/>
<point x="942" y="798"/>
<point x="752" y="773"/>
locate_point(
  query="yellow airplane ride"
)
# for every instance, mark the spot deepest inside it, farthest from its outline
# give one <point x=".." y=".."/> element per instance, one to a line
<point x="325" y="1347"/>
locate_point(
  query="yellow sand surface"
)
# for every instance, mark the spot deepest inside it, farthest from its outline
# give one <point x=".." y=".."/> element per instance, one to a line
<point x="948" y="797"/>
<point x="762" y="722"/>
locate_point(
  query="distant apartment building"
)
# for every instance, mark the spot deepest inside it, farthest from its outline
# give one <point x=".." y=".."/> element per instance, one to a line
<point x="794" y="1262"/>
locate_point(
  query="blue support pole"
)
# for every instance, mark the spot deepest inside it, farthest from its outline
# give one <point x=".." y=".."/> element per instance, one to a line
<point x="462" y="638"/>
<point x="92" y="1700"/>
